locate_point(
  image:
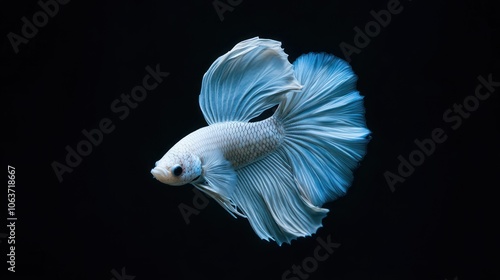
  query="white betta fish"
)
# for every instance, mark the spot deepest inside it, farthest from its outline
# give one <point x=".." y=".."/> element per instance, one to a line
<point x="277" y="172"/>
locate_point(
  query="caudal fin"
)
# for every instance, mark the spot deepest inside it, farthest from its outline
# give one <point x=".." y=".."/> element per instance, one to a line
<point x="324" y="123"/>
<point x="325" y="138"/>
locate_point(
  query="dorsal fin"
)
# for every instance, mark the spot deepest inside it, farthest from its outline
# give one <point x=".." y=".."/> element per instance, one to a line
<point x="247" y="80"/>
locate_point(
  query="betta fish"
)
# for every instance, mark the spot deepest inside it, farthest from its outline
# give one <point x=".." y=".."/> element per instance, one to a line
<point x="279" y="171"/>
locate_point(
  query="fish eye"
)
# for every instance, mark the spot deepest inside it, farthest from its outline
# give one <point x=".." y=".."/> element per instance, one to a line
<point x="177" y="170"/>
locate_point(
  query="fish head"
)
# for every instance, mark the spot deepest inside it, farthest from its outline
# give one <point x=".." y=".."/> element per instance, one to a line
<point x="177" y="168"/>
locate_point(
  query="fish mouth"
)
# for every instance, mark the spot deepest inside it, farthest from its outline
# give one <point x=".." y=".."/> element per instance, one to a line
<point x="161" y="174"/>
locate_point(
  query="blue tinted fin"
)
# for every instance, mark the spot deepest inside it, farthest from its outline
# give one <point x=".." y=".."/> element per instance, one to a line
<point x="270" y="197"/>
<point x="218" y="180"/>
<point x="247" y="80"/>
<point x="326" y="134"/>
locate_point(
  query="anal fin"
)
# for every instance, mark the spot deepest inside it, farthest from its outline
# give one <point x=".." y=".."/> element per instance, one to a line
<point x="270" y="197"/>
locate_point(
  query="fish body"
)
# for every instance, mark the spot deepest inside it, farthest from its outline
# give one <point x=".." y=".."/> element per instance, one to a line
<point x="277" y="172"/>
<point x="241" y="143"/>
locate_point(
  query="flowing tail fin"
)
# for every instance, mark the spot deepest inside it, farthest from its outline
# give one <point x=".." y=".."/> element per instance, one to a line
<point x="325" y="138"/>
<point x="324" y="123"/>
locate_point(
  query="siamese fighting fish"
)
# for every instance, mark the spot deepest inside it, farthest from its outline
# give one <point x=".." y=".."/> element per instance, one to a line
<point x="277" y="172"/>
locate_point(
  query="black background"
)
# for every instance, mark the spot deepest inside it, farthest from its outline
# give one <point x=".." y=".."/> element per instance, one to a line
<point x="109" y="213"/>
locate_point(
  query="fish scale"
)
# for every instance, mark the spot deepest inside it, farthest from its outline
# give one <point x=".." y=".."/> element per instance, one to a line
<point x="241" y="143"/>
